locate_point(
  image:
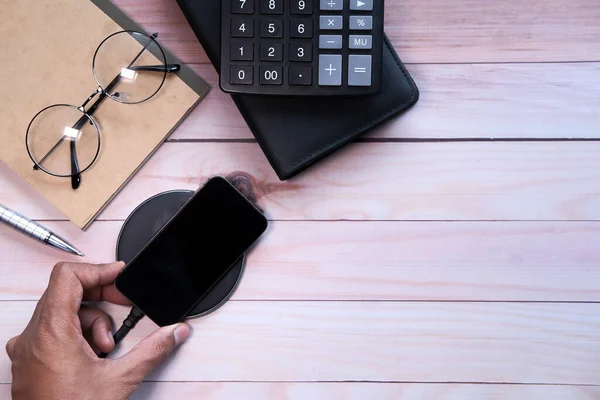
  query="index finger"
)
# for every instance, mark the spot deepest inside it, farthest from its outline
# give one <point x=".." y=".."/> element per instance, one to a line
<point x="70" y="284"/>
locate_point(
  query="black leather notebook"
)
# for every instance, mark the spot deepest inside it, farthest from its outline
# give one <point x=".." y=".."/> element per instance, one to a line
<point x="295" y="132"/>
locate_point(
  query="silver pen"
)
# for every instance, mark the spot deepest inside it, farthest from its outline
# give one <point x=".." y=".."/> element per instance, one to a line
<point x="35" y="230"/>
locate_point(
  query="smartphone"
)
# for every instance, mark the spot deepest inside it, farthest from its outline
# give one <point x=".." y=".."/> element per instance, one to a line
<point x="189" y="255"/>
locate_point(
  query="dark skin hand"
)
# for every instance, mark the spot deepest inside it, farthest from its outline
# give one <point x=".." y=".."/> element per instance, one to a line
<point x="54" y="357"/>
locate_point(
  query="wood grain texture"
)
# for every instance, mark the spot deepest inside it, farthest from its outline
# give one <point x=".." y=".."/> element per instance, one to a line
<point x="540" y="101"/>
<point x="358" y="391"/>
<point x="373" y="341"/>
<point x="351" y="391"/>
<point x="439" y="31"/>
<point x="378" y="181"/>
<point x="469" y="261"/>
<point x="411" y="308"/>
<point x="512" y="101"/>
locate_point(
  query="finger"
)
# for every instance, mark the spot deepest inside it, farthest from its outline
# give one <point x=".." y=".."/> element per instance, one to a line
<point x="112" y="295"/>
<point x="10" y="347"/>
<point x="71" y="283"/>
<point x="96" y="326"/>
<point x="101" y="291"/>
<point x="152" y="351"/>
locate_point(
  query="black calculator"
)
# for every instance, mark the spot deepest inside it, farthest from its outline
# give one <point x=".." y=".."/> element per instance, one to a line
<point x="301" y="47"/>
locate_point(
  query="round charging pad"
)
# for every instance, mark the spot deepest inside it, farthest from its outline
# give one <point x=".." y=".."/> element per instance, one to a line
<point x="147" y="219"/>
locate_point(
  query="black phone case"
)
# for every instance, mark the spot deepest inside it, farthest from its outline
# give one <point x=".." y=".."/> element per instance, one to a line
<point x="149" y="297"/>
<point x="295" y="132"/>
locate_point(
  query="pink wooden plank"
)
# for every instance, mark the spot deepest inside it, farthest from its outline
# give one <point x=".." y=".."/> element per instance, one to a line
<point x="374" y="341"/>
<point x="382" y="181"/>
<point x="492" y="31"/>
<point x="439" y="31"/>
<point x="359" y="391"/>
<point x="471" y="261"/>
<point x="457" y="101"/>
<point x="351" y="391"/>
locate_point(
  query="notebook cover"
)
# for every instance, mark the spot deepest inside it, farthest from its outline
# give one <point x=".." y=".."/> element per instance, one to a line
<point x="295" y="132"/>
<point x="48" y="60"/>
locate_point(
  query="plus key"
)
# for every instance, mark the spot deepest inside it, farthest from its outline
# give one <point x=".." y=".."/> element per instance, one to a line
<point x="330" y="70"/>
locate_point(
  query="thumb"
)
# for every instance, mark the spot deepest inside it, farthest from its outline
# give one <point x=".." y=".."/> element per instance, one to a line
<point x="152" y="351"/>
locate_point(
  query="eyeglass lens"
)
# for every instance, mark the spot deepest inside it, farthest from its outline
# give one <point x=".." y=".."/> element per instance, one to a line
<point x="140" y="74"/>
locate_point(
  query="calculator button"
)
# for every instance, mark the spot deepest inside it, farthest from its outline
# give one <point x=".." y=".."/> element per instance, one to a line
<point x="271" y="28"/>
<point x="359" y="70"/>
<point x="271" y="51"/>
<point x="361" y="5"/>
<point x="300" y="75"/>
<point x="335" y="5"/>
<point x="301" y="28"/>
<point x="271" y="6"/>
<point x="361" y="42"/>
<point x="304" y="7"/>
<point x="241" y="75"/>
<point x="271" y="75"/>
<point x="242" y="6"/>
<point x="242" y="27"/>
<point x="361" y="23"/>
<point x="330" y="70"/>
<point x="241" y="51"/>
<point x="301" y="52"/>
<point x="330" y="41"/>
<point x="331" y="22"/>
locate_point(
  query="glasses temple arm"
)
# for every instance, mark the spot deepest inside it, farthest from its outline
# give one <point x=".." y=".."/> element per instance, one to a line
<point x="113" y="83"/>
<point x="157" y="68"/>
<point x="75" y="175"/>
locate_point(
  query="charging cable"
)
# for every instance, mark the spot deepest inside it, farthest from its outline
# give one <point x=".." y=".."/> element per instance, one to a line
<point x="135" y="315"/>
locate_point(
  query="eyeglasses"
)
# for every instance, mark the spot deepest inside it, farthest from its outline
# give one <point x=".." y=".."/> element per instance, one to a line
<point x="64" y="140"/>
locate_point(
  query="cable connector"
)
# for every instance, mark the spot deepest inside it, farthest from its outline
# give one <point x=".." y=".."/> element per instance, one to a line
<point x="135" y="315"/>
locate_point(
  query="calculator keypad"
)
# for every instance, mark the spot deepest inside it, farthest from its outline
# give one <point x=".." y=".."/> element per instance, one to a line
<point x="301" y="47"/>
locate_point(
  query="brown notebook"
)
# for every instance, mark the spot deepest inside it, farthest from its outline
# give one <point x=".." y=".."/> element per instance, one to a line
<point x="46" y="58"/>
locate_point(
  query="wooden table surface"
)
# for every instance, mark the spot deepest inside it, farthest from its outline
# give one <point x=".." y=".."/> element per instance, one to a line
<point x="451" y="254"/>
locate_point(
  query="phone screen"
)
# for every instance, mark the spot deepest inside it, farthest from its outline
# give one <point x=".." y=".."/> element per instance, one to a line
<point x="191" y="252"/>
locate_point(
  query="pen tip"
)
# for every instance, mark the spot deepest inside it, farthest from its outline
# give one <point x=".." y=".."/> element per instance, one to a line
<point x="57" y="242"/>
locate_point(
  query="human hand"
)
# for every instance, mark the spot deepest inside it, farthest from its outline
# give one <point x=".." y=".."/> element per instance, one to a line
<point x="54" y="357"/>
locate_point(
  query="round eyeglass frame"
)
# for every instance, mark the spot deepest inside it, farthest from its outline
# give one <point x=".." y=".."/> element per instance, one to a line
<point x="89" y="117"/>
<point x="85" y="113"/>
<point x="164" y="57"/>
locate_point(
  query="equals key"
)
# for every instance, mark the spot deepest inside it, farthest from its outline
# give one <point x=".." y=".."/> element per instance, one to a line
<point x="359" y="70"/>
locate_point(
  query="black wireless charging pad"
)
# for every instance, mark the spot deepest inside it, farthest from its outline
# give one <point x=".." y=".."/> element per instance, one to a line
<point x="147" y="219"/>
